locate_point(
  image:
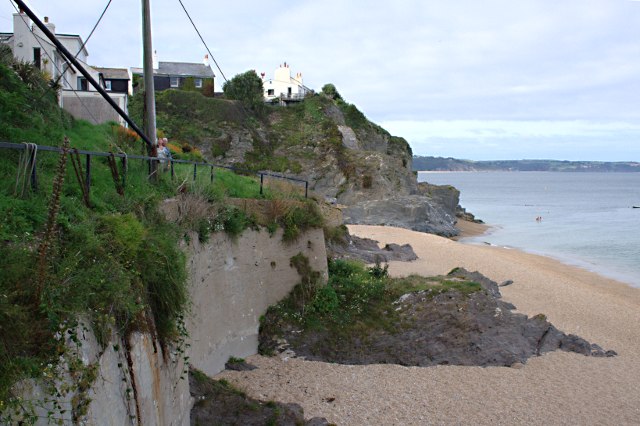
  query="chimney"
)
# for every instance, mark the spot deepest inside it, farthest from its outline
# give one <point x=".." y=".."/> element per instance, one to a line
<point x="156" y="64"/>
<point x="22" y="37"/>
<point x="206" y="60"/>
<point x="50" y="26"/>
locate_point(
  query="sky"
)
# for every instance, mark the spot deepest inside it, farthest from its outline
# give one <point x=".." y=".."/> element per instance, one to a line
<point x="479" y="80"/>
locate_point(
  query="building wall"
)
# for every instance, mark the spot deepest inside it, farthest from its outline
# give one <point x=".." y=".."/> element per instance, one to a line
<point x="281" y="82"/>
<point x="24" y="42"/>
<point x="91" y="106"/>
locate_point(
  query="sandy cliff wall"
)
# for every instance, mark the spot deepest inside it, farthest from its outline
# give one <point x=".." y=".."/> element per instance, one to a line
<point x="232" y="283"/>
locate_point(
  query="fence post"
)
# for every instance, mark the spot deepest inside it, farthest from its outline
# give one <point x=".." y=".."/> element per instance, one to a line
<point x="124" y="171"/>
<point x="33" y="162"/>
<point x="173" y="174"/>
<point x="211" y="174"/>
<point x="306" y="189"/>
<point x="88" y="176"/>
<point x="195" y="171"/>
<point x="261" y="182"/>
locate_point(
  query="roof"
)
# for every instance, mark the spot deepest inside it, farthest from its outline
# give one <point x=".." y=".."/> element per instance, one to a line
<point x="180" y="69"/>
<point x="113" y="73"/>
<point x="185" y="69"/>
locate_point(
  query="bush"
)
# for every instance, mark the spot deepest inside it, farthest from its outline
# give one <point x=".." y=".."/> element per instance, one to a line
<point x="246" y="88"/>
<point x="331" y="91"/>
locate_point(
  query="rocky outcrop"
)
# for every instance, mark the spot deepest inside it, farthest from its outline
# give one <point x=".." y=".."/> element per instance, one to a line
<point x="439" y="328"/>
<point x="367" y="250"/>
<point x="413" y="212"/>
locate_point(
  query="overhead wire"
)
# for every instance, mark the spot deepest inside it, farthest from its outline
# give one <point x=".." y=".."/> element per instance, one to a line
<point x="202" y="39"/>
<point x="53" y="62"/>
<point x="90" y="34"/>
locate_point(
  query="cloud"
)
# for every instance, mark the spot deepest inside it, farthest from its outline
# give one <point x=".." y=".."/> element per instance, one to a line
<point x="496" y="60"/>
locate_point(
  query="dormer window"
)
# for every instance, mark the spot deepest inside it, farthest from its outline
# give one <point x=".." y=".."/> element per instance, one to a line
<point x="107" y="85"/>
<point x="175" y="81"/>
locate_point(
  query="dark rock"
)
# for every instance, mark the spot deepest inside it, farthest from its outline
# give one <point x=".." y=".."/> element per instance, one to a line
<point x="506" y="283"/>
<point x="448" y="328"/>
<point x="367" y="250"/>
<point x="415" y="212"/>
<point x="219" y="403"/>
<point x="239" y="366"/>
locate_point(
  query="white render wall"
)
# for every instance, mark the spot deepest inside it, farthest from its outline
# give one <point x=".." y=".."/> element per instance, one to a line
<point x="281" y="82"/>
<point x="25" y="40"/>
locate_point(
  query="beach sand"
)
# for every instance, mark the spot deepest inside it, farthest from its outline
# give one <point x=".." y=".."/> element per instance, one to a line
<point x="557" y="388"/>
<point x="470" y="229"/>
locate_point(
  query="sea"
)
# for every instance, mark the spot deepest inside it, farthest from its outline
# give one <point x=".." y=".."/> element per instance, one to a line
<point x="582" y="219"/>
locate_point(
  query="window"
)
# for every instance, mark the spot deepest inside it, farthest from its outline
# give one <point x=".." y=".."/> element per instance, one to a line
<point x="270" y="92"/>
<point x="82" y="84"/>
<point x="36" y="57"/>
<point x="175" y="81"/>
<point x="107" y="85"/>
<point x="198" y="83"/>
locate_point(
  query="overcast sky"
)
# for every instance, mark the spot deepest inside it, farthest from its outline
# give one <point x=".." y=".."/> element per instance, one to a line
<point x="491" y="79"/>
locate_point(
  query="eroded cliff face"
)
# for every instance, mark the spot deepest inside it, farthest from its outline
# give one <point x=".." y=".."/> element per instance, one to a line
<point x="348" y="160"/>
<point x="133" y="379"/>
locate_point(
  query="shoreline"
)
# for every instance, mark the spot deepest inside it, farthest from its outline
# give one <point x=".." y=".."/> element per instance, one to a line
<point x="557" y="388"/>
<point x="470" y="229"/>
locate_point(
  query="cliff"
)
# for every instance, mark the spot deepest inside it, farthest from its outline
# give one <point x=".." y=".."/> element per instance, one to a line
<point x="133" y="378"/>
<point x="347" y="159"/>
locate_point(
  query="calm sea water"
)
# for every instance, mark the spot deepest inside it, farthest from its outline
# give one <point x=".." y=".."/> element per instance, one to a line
<point x="587" y="218"/>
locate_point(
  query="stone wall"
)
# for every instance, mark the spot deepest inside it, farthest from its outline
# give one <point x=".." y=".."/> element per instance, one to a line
<point x="234" y="282"/>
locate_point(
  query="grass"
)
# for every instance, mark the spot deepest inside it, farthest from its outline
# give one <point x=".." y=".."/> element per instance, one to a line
<point x="115" y="261"/>
<point x="356" y="301"/>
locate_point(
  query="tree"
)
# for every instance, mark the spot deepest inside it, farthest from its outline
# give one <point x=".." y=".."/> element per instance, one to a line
<point x="247" y="88"/>
<point x="331" y="92"/>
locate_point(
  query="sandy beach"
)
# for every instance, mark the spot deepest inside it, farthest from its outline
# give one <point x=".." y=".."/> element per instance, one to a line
<point x="557" y="388"/>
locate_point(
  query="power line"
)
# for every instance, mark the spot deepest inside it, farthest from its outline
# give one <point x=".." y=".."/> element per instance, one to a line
<point x="53" y="62"/>
<point x="90" y="34"/>
<point x="202" y="39"/>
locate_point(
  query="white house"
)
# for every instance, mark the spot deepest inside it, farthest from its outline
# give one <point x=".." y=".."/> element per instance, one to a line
<point x="283" y="86"/>
<point x="29" y="44"/>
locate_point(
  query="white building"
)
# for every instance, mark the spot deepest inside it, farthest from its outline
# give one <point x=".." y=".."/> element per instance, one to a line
<point x="29" y="44"/>
<point x="283" y="86"/>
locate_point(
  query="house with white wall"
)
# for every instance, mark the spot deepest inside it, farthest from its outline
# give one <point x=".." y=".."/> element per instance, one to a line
<point x="29" y="44"/>
<point x="283" y="86"/>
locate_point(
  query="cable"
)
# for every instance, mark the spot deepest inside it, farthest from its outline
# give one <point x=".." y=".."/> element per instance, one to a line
<point x="54" y="64"/>
<point x="203" y="42"/>
<point x="88" y="37"/>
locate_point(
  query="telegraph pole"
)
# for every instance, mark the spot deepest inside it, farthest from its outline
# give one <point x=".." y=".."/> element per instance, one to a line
<point x="149" y="90"/>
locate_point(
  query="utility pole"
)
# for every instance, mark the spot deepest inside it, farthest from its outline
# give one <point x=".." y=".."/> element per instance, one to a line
<point x="149" y="90"/>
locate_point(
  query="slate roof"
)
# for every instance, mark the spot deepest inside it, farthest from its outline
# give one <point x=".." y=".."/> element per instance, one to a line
<point x="113" y="73"/>
<point x="180" y="69"/>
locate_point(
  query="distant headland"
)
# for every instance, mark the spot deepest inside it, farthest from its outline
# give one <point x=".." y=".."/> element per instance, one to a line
<point x="456" y="165"/>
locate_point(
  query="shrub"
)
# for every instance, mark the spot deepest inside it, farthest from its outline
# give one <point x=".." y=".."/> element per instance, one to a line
<point x="246" y="88"/>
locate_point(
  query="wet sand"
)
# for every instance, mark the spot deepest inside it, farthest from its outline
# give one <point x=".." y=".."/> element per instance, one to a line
<point x="557" y="388"/>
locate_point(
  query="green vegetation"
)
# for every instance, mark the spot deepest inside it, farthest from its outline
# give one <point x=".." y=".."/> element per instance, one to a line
<point x="246" y="88"/>
<point x="356" y="300"/>
<point x="109" y="258"/>
<point x="189" y="117"/>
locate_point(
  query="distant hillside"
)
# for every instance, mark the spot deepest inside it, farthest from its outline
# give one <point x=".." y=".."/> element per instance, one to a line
<point x="456" y="165"/>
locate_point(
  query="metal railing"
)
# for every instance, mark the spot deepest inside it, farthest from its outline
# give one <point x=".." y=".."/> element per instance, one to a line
<point x="126" y="157"/>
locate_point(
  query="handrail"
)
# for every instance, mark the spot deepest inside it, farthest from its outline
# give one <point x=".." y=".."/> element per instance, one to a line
<point x="11" y="145"/>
